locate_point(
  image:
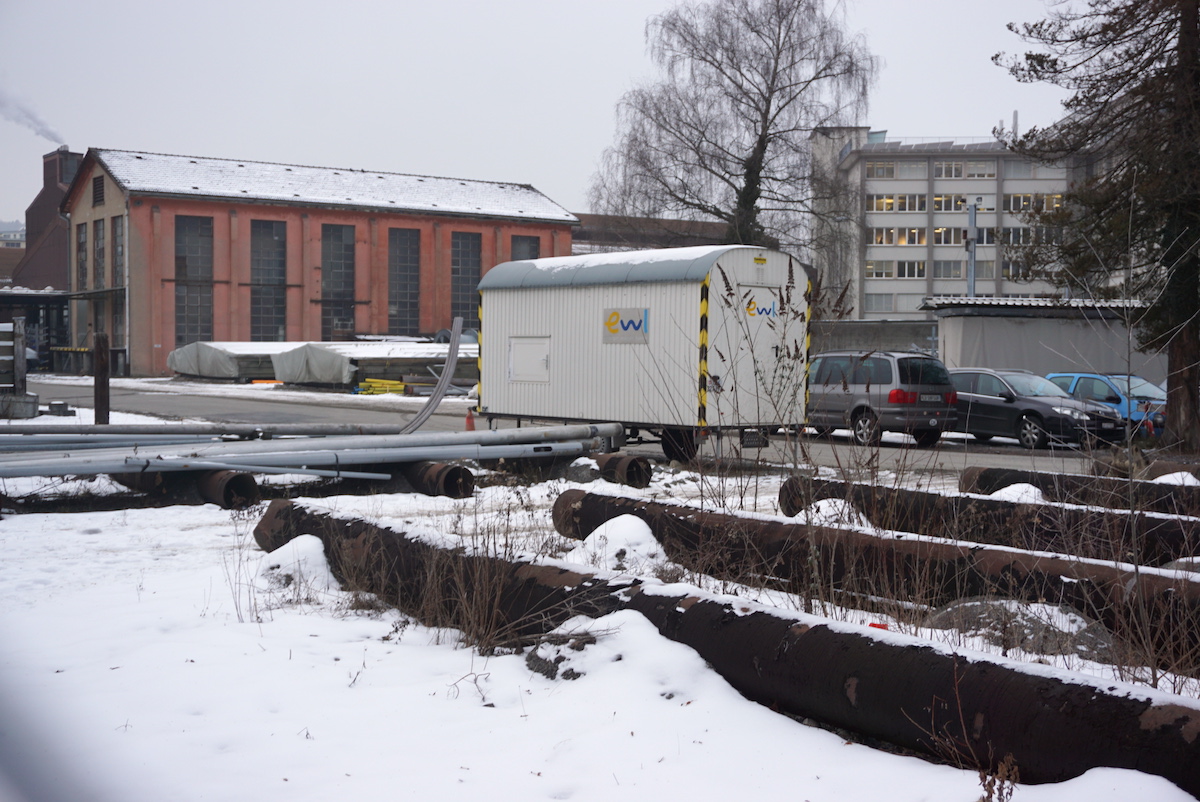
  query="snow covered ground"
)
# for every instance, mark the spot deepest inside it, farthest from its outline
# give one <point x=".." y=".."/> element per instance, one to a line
<point x="149" y="654"/>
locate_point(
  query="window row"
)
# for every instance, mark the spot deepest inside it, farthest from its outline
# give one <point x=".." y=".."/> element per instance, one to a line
<point x="268" y="278"/>
<point x="944" y="269"/>
<point x="892" y="302"/>
<point x="1032" y="202"/>
<point x="942" y="202"/>
<point x="97" y="245"/>
<point x="953" y="168"/>
<point x="945" y="235"/>
<point x="919" y="168"/>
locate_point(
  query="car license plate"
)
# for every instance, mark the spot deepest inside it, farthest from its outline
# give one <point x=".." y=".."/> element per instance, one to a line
<point x="1108" y="425"/>
<point x="934" y="397"/>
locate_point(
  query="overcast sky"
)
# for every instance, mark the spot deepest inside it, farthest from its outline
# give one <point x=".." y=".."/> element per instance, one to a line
<point x="519" y="90"/>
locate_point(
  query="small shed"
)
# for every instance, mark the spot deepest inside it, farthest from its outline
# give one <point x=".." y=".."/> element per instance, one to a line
<point x="698" y="338"/>
<point x="1043" y="335"/>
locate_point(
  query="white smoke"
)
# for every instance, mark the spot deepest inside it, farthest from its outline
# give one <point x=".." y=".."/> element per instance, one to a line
<point x="20" y="113"/>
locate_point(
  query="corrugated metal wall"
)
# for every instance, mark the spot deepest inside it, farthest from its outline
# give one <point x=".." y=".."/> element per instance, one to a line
<point x="656" y="382"/>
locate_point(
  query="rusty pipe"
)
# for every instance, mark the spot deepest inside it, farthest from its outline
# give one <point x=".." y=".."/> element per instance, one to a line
<point x="229" y="490"/>
<point x="625" y="469"/>
<point x="440" y="479"/>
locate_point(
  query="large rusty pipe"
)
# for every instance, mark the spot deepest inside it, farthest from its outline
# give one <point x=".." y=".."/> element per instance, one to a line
<point x="883" y="686"/>
<point x="440" y="479"/>
<point x="1093" y="532"/>
<point x="625" y="469"/>
<point x="229" y="490"/>
<point x="1102" y="491"/>
<point x="1157" y="608"/>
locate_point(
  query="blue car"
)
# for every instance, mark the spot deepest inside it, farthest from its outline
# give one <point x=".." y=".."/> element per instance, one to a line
<point x="1136" y="400"/>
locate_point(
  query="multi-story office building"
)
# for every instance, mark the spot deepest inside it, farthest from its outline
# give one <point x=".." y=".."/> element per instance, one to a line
<point x="895" y="224"/>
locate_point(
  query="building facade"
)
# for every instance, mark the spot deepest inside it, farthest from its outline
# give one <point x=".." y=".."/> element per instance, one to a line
<point x="895" y="229"/>
<point x="168" y="250"/>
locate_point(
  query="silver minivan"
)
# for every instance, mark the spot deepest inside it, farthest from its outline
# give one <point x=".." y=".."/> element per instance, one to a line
<point x="870" y="392"/>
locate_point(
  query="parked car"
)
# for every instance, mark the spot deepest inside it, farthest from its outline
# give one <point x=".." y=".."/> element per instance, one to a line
<point x="1020" y="404"/>
<point x="1136" y="400"/>
<point x="870" y="392"/>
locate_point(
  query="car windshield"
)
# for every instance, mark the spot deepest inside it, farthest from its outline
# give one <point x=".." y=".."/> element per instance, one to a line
<point x="1138" y="388"/>
<point x="1028" y="384"/>
<point x="922" y="370"/>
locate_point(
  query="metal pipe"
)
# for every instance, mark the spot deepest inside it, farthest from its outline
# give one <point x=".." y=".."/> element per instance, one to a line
<point x="67" y="444"/>
<point x="122" y="461"/>
<point x="460" y="444"/>
<point x="439" y="389"/>
<point x="269" y="469"/>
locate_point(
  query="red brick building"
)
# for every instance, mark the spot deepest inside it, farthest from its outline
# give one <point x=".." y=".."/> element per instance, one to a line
<point x="168" y="250"/>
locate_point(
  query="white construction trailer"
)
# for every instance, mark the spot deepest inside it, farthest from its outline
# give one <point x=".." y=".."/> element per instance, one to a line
<point x="676" y="343"/>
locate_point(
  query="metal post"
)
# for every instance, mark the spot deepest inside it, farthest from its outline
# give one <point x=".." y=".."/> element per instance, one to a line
<point x="100" y="375"/>
<point x="19" y="364"/>
<point x="972" y="238"/>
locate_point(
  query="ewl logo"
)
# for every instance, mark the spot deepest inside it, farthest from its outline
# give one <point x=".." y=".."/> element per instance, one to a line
<point x="754" y="310"/>
<point x="626" y="326"/>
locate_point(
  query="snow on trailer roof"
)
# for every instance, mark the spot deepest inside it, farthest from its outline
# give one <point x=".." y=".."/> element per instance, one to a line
<point x="165" y="174"/>
<point x="627" y="267"/>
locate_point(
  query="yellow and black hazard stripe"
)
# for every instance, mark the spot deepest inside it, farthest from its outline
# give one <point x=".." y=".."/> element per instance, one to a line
<point x="479" y="358"/>
<point x="702" y="410"/>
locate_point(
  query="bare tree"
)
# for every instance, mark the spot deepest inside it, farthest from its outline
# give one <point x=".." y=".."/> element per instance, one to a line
<point x="725" y="134"/>
<point x="1132" y="223"/>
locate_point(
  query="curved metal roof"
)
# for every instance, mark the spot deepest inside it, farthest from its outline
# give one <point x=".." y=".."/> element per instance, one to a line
<point x="626" y="267"/>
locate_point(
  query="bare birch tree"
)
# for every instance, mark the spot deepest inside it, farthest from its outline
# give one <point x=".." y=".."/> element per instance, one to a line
<point x="724" y="136"/>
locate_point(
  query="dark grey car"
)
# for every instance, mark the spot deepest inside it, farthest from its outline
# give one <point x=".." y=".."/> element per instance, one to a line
<point x="871" y="392"/>
<point x="1034" y="410"/>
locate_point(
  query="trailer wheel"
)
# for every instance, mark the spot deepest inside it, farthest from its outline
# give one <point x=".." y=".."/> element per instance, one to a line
<point x="679" y="445"/>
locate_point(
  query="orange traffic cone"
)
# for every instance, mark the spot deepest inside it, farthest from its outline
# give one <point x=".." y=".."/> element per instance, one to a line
<point x="470" y="421"/>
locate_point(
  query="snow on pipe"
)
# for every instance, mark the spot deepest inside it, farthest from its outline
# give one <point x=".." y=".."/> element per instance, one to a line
<point x="440" y="479"/>
<point x="882" y="685"/>
<point x="625" y="469"/>
<point x="1157" y="610"/>
<point x="1093" y="532"/>
<point x="1104" y="491"/>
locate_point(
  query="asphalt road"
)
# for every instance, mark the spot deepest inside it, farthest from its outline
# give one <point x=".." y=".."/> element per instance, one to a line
<point x="951" y="455"/>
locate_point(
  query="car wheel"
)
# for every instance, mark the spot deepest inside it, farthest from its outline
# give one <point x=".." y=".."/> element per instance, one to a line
<point x="865" y="429"/>
<point x="983" y="438"/>
<point x="928" y="437"/>
<point x="1030" y="432"/>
